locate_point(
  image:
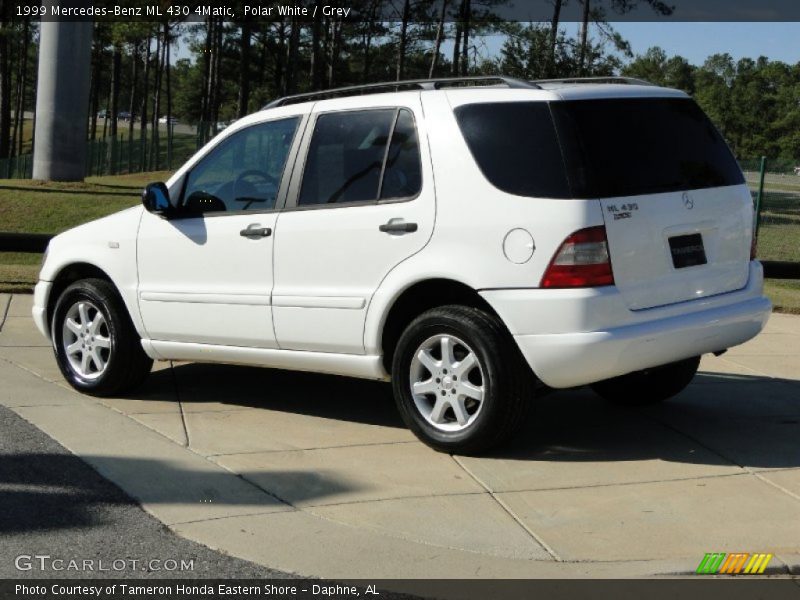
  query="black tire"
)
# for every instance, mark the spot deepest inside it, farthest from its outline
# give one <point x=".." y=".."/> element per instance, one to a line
<point x="127" y="365"/>
<point x="506" y="380"/>
<point x="650" y="386"/>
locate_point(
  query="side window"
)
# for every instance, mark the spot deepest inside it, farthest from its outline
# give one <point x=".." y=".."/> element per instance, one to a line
<point x="243" y="172"/>
<point x="402" y="176"/>
<point x="361" y="156"/>
<point x="516" y="147"/>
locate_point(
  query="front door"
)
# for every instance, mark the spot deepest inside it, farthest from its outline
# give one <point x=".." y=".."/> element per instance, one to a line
<point x="363" y="202"/>
<point x="205" y="276"/>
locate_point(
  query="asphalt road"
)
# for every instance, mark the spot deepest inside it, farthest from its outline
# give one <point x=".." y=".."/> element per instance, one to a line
<point x="54" y="504"/>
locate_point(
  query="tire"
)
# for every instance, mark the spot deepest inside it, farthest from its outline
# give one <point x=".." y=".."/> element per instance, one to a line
<point x="107" y="357"/>
<point x="650" y="386"/>
<point x="498" y="371"/>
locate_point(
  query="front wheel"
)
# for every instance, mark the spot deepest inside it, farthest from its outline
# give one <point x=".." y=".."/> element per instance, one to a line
<point x="459" y="381"/>
<point x="95" y="343"/>
<point x="649" y="386"/>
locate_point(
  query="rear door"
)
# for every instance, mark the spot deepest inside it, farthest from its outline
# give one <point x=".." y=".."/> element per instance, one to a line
<point x="678" y="214"/>
<point x="362" y="203"/>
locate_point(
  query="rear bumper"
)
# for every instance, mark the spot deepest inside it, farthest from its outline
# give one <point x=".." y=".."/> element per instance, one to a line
<point x="571" y="359"/>
<point x="573" y="337"/>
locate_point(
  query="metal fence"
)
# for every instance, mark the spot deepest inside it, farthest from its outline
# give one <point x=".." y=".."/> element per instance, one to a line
<point x="117" y="156"/>
<point x="17" y="167"/>
<point x="777" y="197"/>
<point x="129" y="154"/>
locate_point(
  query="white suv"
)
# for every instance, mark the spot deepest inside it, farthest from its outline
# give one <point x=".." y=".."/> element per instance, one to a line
<point x="474" y="241"/>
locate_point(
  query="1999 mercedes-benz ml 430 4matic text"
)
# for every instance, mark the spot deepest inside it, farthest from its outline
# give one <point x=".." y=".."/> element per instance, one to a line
<point x="473" y="240"/>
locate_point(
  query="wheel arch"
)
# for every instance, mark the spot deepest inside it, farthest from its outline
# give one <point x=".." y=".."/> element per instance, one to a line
<point x="419" y="297"/>
<point x="69" y="274"/>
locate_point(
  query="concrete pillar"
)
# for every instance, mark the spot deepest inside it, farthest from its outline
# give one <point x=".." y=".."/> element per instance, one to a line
<point x="62" y="100"/>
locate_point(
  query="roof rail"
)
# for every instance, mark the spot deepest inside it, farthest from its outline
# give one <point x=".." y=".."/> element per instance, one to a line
<point x="610" y="79"/>
<point x="398" y="86"/>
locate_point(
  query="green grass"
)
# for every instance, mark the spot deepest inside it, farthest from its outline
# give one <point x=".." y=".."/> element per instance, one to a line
<point x="36" y="207"/>
<point x="785" y="295"/>
<point x="779" y="232"/>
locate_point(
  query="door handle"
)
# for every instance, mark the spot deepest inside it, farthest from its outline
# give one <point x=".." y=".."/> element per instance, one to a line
<point x="397" y="226"/>
<point x="254" y="231"/>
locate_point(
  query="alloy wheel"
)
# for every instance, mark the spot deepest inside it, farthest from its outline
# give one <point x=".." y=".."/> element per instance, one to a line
<point x="447" y="382"/>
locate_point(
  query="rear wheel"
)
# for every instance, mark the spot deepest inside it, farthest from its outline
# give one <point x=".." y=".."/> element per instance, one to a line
<point x="96" y="346"/>
<point x="649" y="386"/>
<point x="459" y="381"/>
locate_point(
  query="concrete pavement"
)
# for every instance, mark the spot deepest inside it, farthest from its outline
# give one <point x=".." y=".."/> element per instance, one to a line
<point x="316" y="475"/>
<point x="54" y="505"/>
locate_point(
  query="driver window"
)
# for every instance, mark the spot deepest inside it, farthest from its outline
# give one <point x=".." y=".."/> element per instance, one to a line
<point x="243" y="172"/>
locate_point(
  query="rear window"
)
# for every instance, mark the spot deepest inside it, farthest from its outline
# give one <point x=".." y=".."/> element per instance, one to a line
<point x="598" y="148"/>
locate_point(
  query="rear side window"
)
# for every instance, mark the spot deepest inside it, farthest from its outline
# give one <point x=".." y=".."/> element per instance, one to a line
<point x="597" y="148"/>
<point x="516" y="147"/>
<point x="402" y="176"/>
<point x="634" y="146"/>
<point x="361" y="156"/>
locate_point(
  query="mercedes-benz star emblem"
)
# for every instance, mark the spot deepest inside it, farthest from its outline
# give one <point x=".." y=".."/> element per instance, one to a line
<point x="687" y="201"/>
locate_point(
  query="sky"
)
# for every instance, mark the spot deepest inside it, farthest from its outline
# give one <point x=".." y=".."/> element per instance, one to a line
<point x="698" y="41"/>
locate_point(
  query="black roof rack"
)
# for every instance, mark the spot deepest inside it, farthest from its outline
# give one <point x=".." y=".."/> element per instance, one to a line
<point x="610" y="79"/>
<point x="399" y="86"/>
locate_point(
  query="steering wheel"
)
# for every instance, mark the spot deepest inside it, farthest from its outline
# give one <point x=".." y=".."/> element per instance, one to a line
<point x="250" y="196"/>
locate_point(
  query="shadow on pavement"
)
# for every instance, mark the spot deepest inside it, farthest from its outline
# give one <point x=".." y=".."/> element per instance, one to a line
<point x="41" y="491"/>
<point x="327" y="396"/>
<point x="720" y="419"/>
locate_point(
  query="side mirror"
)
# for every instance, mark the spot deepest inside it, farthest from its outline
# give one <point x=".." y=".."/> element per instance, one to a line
<point x="155" y="198"/>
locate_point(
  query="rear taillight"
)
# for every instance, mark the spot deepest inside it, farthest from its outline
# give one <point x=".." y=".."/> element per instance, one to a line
<point x="581" y="261"/>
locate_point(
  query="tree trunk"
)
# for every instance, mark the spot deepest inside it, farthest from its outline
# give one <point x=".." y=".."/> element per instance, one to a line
<point x="208" y="96"/>
<point x="279" y="79"/>
<point x="116" y="64"/>
<point x="32" y="86"/>
<point x="439" y="37"/>
<point x="5" y="88"/>
<point x="154" y="138"/>
<point x="291" y="57"/>
<point x="401" y="55"/>
<point x="244" y="70"/>
<point x="167" y="70"/>
<point x="105" y="121"/>
<point x="23" y="87"/>
<point x="465" y="38"/>
<point x="204" y="97"/>
<point x="367" y="53"/>
<point x="584" y="37"/>
<point x="97" y="55"/>
<point x="333" y="58"/>
<point x="145" y="100"/>
<point x="316" y="52"/>
<point x="19" y="107"/>
<point x="217" y="70"/>
<point x="457" y="42"/>
<point x="549" y="65"/>
<point x="134" y="83"/>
